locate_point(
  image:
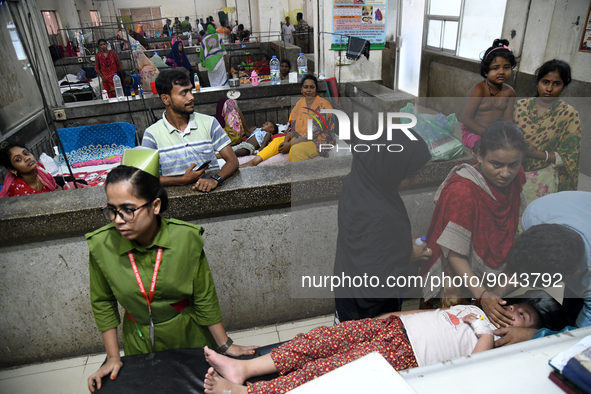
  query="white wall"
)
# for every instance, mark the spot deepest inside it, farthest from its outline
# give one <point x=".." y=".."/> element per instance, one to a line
<point x="103" y="7"/>
<point x="550" y="33"/>
<point x="243" y="13"/>
<point x="180" y="8"/>
<point x="565" y="37"/>
<point x="270" y="16"/>
<point x="308" y="11"/>
<point x="66" y="10"/>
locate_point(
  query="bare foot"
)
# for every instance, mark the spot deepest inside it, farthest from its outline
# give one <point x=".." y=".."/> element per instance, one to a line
<point x="215" y="384"/>
<point x="231" y="369"/>
<point x="248" y="164"/>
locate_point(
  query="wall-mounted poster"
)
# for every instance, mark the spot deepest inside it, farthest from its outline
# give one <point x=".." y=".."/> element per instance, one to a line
<point x="359" y="18"/>
<point x="586" y="39"/>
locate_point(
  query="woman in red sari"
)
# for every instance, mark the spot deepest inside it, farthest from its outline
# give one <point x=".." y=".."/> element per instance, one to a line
<point x="475" y="220"/>
<point x="26" y="175"/>
<point x="107" y="64"/>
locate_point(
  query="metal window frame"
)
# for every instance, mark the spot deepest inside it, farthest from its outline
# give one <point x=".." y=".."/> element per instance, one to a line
<point x="98" y="14"/>
<point x="150" y="21"/>
<point x="443" y="19"/>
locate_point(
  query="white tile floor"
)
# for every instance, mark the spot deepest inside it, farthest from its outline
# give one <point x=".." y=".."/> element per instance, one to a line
<point x="69" y="376"/>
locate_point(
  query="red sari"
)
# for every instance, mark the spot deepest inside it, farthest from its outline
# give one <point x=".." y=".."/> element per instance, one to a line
<point x="108" y="66"/>
<point x="474" y="219"/>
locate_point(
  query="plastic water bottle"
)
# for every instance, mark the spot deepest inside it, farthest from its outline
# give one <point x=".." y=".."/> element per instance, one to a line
<point x="190" y="40"/>
<point x="196" y="80"/>
<point x="420" y="241"/>
<point x="118" y="88"/>
<point x="302" y="66"/>
<point x="274" y="66"/>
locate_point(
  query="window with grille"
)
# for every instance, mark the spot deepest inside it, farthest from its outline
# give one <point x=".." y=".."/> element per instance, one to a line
<point x="464" y="28"/>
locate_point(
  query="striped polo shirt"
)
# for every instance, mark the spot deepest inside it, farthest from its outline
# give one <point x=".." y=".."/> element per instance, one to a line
<point x="179" y="149"/>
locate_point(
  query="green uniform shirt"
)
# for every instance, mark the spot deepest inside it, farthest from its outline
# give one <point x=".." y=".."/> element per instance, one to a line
<point x="184" y="273"/>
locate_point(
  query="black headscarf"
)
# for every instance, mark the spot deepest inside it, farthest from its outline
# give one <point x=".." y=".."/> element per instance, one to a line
<point x="374" y="229"/>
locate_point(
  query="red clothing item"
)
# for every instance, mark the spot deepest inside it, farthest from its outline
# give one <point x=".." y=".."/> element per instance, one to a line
<point x="21" y="188"/>
<point x="108" y="66"/>
<point x="324" y="349"/>
<point x="489" y="215"/>
<point x="16" y="186"/>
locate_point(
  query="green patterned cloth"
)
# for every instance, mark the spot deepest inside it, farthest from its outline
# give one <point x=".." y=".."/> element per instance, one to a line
<point x="557" y="130"/>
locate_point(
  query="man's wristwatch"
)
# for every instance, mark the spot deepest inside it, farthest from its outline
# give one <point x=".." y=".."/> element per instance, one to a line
<point x="217" y="178"/>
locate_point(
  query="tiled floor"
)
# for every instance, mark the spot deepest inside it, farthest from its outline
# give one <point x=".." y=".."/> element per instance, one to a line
<point x="69" y="376"/>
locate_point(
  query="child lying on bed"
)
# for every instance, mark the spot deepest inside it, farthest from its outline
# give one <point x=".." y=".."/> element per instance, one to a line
<point x="406" y="339"/>
<point x="258" y="138"/>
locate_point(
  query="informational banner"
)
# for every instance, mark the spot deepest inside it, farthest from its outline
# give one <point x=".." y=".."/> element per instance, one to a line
<point x="359" y="18"/>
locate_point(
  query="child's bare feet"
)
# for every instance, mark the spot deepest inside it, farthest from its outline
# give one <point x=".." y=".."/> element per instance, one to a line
<point x="231" y="369"/>
<point x="248" y="164"/>
<point x="215" y="384"/>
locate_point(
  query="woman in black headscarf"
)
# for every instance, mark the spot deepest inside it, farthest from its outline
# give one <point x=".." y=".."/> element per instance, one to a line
<point x="374" y="229"/>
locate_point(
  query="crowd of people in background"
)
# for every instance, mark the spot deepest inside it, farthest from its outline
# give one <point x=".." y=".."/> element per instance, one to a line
<point x="108" y="64"/>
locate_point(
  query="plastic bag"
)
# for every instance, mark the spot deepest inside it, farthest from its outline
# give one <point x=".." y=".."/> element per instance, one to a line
<point x="437" y="131"/>
<point x="49" y="164"/>
<point x="81" y="75"/>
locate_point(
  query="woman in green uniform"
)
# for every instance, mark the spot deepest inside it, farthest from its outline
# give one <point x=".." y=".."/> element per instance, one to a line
<point x="156" y="269"/>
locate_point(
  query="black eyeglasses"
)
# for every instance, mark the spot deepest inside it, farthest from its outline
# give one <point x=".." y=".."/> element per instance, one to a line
<point x="125" y="214"/>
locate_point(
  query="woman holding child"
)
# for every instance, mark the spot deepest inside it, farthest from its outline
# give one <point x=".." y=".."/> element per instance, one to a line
<point x="156" y="269"/>
<point x="475" y="219"/>
<point x="296" y="142"/>
<point x="231" y="119"/>
<point x="553" y="130"/>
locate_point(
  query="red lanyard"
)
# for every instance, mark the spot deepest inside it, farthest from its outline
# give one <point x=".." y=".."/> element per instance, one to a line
<point x="138" y="278"/>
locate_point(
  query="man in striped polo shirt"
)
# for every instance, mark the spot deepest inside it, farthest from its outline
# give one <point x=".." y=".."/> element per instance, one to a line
<point x="186" y="140"/>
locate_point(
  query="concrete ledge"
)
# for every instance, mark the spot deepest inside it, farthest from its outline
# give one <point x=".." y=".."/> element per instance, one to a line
<point x="257" y="245"/>
<point x="75" y="212"/>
